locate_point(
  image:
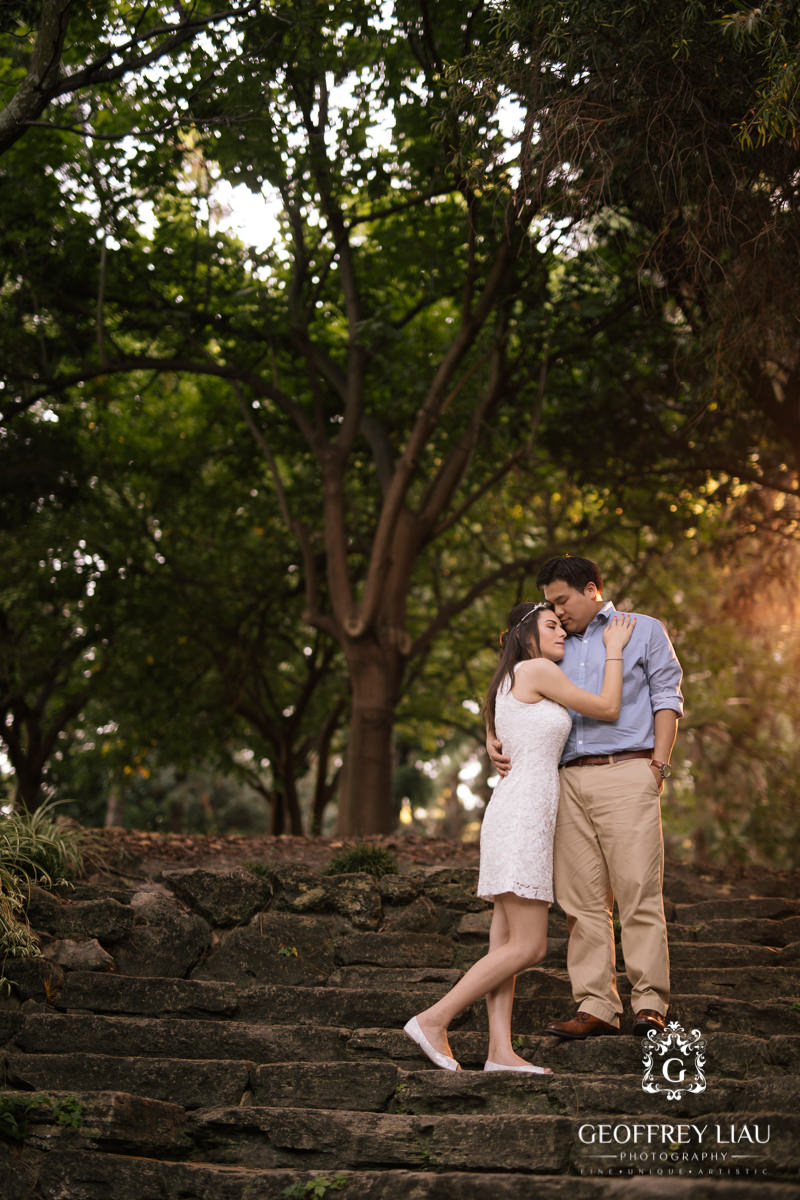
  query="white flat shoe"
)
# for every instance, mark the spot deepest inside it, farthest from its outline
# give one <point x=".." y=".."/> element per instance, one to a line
<point x="412" y="1029"/>
<point x="528" y="1069"/>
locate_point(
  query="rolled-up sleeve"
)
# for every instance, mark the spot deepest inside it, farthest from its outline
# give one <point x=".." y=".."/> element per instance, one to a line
<point x="664" y="674"/>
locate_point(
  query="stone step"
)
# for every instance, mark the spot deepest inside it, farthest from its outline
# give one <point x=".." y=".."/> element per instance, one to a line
<point x="184" y="1037"/>
<point x="731" y="1055"/>
<point x="339" y="1006"/>
<point x="32" y="1033"/>
<point x="681" y="954"/>
<point x="41" y="982"/>
<point x="283" y="1004"/>
<point x="740" y="931"/>
<point x="395" y="979"/>
<point x="773" y="908"/>
<point x="111" y="1119"/>
<point x="320" y="1138"/>
<point x="324" y="1139"/>
<point x="755" y="981"/>
<point x="81" y="1175"/>
<point x="377" y="1086"/>
<point x="191" y="1083"/>
<point x="718" y="954"/>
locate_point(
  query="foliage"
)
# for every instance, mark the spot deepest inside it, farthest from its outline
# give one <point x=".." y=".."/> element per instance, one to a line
<point x="730" y="603"/>
<point x="276" y="498"/>
<point x="35" y="848"/>
<point x="371" y="860"/>
<point x="637" y="112"/>
<point x="15" y="1111"/>
<point x="69" y="1112"/>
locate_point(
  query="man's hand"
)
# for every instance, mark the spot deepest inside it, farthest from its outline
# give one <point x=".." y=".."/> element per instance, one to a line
<point x="658" y="777"/>
<point x="494" y="748"/>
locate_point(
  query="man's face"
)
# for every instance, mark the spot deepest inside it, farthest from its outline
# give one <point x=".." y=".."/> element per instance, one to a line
<point x="574" y="609"/>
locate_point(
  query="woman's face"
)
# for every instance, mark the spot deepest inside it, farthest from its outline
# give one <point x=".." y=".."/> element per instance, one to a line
<point x="552" y="636"/>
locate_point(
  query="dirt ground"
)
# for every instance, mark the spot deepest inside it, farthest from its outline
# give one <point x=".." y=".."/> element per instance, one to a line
<point x="122" y="849"/>
<point x="137" y="853"/>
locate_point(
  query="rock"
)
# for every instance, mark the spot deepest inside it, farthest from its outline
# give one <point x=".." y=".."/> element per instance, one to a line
<point x="276" y="947"/>
<point x="104" y="918"/>
<point x="224" y="898"/>
<point x="396" y="950"/>
<point x="475" y="924"/>
<point x="421" y="915"/>
<point x="154" y="997"/>
<point x="455" y="889"/>
<point x="165" y="940"/>
<point x="36" y="979"/>
<point x="79" y="956"/>
<point x="400" y="889"/>
<point x="189" y="1084"/>
<point x="368" y="1086"/>
<point x="355" y="897"/>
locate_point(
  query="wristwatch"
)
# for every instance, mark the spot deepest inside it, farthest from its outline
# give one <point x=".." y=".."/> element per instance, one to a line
<point x="664" y="767"/>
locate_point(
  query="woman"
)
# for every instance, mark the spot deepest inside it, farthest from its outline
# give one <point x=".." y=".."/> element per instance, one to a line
<point x="527" y="707"/>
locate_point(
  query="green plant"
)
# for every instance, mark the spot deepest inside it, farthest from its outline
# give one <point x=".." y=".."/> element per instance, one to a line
<point x="315" y="1188"/>
<point x="69" y="1112"/>
<point x="371" y="860"/>
<point x="288" y="951"/>
<point x="35" y="848"/>
<point x="516" y="1045"/>
<point x="260" y="869"/>
<point x="14" y="1114"/>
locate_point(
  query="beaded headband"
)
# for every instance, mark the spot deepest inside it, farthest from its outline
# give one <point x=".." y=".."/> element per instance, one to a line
<point x="541" y="604"/>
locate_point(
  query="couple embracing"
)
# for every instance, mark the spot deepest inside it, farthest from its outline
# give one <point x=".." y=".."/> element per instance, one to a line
<point x="581" y="718"/>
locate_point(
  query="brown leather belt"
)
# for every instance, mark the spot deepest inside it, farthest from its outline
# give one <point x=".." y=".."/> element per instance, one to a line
<point x="602" y="760"/>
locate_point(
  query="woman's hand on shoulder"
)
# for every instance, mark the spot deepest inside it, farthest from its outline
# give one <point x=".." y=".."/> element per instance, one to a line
<point x="618" y="631"/>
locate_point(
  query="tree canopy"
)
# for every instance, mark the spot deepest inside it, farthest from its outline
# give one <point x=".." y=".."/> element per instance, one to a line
<point x="529" y="289"/>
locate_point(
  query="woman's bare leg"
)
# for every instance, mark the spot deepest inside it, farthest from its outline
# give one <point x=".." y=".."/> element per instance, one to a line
<point x="524" y="922"/>
<point x="500" y="1002"/>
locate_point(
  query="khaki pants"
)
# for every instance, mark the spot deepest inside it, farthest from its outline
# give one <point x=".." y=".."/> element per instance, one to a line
<point x="608" y="843"/>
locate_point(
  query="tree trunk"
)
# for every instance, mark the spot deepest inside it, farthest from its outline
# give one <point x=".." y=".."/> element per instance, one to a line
<point x="27" y="793"/>
<point x="365" y="802"/>
<point x="278" y="815"/>
<point x="115" y="808"/>
<point x="324" y="788"/>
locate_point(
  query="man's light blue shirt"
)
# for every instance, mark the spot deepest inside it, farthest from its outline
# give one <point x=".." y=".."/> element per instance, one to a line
<point x="651" y="681"/>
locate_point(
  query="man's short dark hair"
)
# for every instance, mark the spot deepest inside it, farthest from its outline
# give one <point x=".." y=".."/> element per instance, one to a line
<point x="577" y="572"/>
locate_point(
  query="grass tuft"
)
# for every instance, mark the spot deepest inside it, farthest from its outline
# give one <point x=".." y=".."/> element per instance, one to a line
<point x="35" y="848"/>
<point x="370" y="860"/>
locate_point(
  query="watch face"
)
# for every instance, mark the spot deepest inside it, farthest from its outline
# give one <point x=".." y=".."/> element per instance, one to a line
<point x="666" y="771"/>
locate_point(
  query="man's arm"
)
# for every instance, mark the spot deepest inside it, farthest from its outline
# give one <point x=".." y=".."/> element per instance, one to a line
<point x="494" y="748"/>
<point x="666" y="730"/>
<point x="664" y="676"/>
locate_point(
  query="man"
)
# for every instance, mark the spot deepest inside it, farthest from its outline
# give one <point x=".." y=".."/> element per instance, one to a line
<point x="608" y="839"/>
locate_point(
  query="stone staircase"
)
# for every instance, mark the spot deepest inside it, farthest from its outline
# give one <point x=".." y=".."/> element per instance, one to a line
<point x="236" y="1034"/>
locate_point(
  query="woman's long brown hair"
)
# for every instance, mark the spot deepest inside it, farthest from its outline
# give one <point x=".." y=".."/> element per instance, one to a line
<point x="518" y="642"/>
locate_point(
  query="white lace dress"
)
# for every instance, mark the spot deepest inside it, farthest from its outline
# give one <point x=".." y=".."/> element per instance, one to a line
<point x="520" y="819"/>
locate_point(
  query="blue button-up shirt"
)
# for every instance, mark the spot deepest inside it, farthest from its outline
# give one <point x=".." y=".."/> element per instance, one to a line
<point x="651" y="681"/>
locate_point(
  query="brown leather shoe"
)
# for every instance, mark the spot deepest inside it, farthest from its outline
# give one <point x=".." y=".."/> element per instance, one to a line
<point x="646" y="1019"/>
<point x="582" y="1025"/>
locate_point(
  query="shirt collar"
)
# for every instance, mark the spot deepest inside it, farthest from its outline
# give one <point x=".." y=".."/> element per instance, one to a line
<point x="602" y="615"/>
